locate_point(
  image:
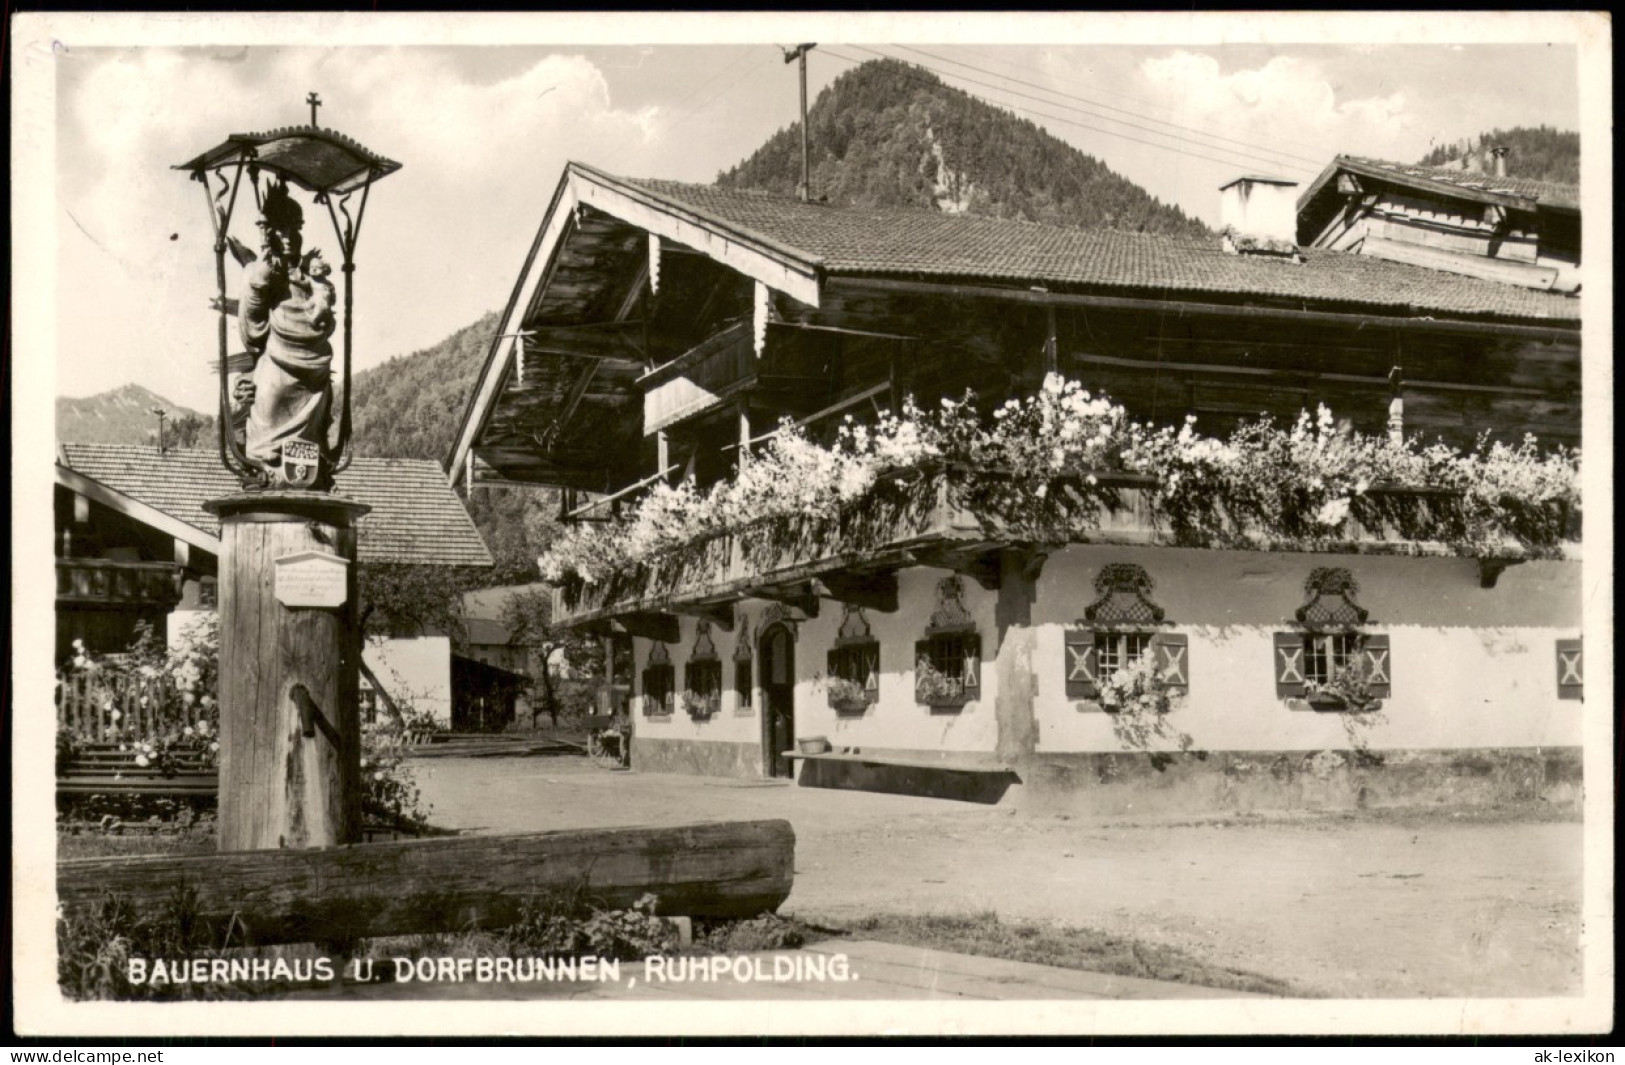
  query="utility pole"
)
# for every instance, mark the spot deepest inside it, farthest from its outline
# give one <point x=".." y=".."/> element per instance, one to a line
<point x="800" y="52"/>
<point x="162" y="414"/>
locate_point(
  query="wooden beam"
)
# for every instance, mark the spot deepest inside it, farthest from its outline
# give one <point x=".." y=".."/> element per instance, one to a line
<point x="652" y="626"/>
<point x="419" y="887"/>
<point x="1216" y="310"/>
<point x="598" y="340"/>
<point x="762" y="259"/>
<point x="798" y="598"/>
<point x="980" y="564"/>
<point x="872" y="591"/>
<point x="1301" y="378"/>
<point x="719" y="614"/>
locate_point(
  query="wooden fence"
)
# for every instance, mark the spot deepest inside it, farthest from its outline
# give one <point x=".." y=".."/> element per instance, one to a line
<point x="99" y="706"/>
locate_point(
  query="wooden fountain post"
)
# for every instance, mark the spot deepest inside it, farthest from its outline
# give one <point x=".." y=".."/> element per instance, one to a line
<point x="290" y="651"/>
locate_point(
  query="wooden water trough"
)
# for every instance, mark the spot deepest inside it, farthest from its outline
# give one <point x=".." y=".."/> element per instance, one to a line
<point x="341" y="894"/>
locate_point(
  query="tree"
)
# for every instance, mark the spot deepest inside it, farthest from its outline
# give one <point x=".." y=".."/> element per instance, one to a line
<point x="403" y="600"/>
<point x="565" y="656"/>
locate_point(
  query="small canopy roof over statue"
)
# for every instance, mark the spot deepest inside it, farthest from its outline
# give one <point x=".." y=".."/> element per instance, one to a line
<point x="322" y="161"/>
<point x="276" y="396"/>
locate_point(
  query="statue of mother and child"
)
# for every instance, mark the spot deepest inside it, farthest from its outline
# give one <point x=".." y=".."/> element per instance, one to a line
<point x="282" y="407"/>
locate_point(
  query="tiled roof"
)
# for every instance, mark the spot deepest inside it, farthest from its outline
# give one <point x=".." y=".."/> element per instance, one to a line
<point x="416" y="517"/>
<point x="1549" y="193"/>
<point x="878" y="241"/>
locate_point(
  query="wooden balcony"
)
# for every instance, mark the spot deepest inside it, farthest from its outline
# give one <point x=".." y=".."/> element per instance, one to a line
<point x="91" y="582"/>
<point x="944" y="518"/>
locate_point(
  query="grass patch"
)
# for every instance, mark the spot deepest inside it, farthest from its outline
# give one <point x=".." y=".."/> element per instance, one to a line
<point x="1068" y="947"/>
<point x="106" y="845"/>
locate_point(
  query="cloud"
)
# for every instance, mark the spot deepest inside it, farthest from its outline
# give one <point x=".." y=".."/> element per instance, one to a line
<point x="1287" y="102"/>
<point x="443" y="238"/>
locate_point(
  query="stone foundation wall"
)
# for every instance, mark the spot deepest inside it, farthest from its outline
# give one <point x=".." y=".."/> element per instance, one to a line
<point x="1243" y="781"/>
<point x="709" y="758"/>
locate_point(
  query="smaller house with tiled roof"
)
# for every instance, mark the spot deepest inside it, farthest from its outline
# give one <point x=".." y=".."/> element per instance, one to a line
<point x="950" y="625"/>
<point x="134" y="543"/>
<point x="1508" y="229"/>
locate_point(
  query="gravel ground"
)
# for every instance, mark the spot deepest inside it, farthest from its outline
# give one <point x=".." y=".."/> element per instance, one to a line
<point x="1348" y="907"/>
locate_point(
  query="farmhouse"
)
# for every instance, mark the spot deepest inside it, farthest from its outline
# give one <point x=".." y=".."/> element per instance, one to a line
<point x="1515" y="230"/>
<point x="133" y="543"/>
<point x="834" y="565"/>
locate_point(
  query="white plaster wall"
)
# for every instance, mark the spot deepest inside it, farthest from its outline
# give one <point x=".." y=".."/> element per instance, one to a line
<point x="897" y="721"/>
<point x="178" y="621"/>
<point x="727" y="725"/>
<point x="416" y="669"/>
<point x="1471" y="666"/>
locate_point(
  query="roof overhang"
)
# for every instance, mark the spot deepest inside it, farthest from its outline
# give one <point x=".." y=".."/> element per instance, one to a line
<point x="136" y="510"/>
<point x="1344" y="164"/>
<point x="770" y="263"/>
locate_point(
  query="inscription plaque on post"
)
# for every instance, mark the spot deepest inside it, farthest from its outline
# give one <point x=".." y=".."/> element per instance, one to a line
<point x="311" y="579"/>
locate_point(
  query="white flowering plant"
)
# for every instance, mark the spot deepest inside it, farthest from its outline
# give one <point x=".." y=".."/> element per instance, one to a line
<point x="175" y="691"/>
<point x="1139" y="699"/>
<point x="1051" y="462"/>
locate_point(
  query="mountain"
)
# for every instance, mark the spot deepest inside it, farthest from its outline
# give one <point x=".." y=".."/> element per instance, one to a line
<point x="888" y="134"/>
<point x="1539" y="153"/>
<point x="409" y="407"/>
<point x="124" y="416"/>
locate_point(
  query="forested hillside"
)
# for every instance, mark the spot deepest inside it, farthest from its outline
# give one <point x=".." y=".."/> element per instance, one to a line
<point x="1539" y="153"/>
<point x="410" y="407"/>
<point x="887" y="134"/>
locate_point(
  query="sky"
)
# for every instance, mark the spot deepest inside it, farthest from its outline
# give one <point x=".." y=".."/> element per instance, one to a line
<point x="484" y="131"/>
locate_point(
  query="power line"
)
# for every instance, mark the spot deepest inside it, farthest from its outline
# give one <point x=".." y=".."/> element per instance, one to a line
<point x="1245" y="162"/>
<point x="1096" y="103"/>
<point x="989" y="58"/>
<point x="1251" y="159"/>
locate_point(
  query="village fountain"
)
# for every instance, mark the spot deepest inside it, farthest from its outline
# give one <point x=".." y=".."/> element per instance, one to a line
<point x="289" y="643"/>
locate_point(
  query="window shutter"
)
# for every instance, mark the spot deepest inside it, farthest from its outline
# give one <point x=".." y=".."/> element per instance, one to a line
<point x="1080" y="664"/>
<point x="1375" y="649"/>
<point x="1570" y="670"/>
<point x="831" y="663"/>
<point x="973" y="665"/>
<point x="922" y="653"/>
<point x="1173" y="658"/>
<point x="1289" y="679"/>
<point x="871" y="674"/>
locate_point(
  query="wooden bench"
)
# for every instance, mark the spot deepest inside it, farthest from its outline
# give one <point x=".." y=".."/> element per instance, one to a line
<point x="978" y="782"/>
<point x="101" y="768"/>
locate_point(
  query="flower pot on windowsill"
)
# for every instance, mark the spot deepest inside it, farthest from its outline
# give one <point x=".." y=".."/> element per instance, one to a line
<point x="701" y="707"/>
<point x="846" y="696"/>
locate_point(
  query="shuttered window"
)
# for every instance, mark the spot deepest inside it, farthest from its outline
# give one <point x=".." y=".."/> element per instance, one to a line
<point x="1570" y="670"/>
<point x="1304" y="661"/>
<point x="948" y="669"/>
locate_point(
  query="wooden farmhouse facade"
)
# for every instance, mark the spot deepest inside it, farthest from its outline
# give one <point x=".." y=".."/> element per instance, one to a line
<point x="1514" y="230"/>
<point x="955" y="627"/>
<point x="135" y="544"/>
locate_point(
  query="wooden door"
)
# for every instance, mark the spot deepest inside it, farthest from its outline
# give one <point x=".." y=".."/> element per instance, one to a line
<point x="778" y="668"/>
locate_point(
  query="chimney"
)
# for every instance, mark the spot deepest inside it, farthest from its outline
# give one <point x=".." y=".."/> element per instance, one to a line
<point x="1258" y="215"/>
<point x="1500" y="153"/>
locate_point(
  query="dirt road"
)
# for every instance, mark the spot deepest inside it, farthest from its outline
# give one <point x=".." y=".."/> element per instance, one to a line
<point x="1348" y="909"/>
